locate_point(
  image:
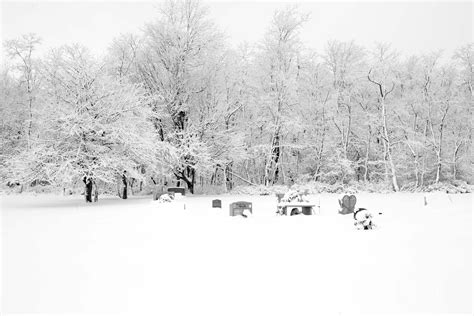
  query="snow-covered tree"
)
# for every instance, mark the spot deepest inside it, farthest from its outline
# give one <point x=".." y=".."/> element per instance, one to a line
<point x="95" y="128"/>
<point x="279" y="68"/>
<point x="21" y="51"/>
<point x="173" y="64"/>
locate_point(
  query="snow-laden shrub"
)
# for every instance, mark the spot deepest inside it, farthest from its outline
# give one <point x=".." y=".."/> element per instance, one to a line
<point x="319" y="187"/>
<point x="353" y="187"/>
<point x="260" y="190"/>
<point x="371" y="187"/>
<point x="165" y="198"/>
<point x="448" y="187"/>
<point x="210" y="189"/>
<point x="363" y="220"/>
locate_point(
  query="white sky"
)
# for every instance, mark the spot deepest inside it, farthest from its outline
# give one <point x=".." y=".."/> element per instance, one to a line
<point x="412" y="28"/>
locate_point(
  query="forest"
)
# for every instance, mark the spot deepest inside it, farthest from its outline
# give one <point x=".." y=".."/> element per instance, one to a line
<point x="176" y="103"/>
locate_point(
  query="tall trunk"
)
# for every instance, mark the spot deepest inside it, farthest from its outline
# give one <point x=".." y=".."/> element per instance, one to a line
<point x="228" y="176"/>
<point x="439" y="144"/>
<point x="96" y="192"/>
<point x="415" y="161"/>
<point x="385" y="161"/>
<point x="349" y="126"/>
<point x="422" y="173"/>
<point x="271" y="166"/>
<point x="320" y="157"/>
<point x="417" y="173"/>
<point x="457" y="146"/>
<point x="277" y="155"/>
<point x="88" y="183"/>
<point x="386" y="138"/>
<point x="188" y="175"/>
<point x="438" y="167"/>
<point x="454" y="169"/>
<point x="321" y="146"/>
<point x="367" y="151"/>
<point x="30" y="106"/>
<point x="124" y="186"/>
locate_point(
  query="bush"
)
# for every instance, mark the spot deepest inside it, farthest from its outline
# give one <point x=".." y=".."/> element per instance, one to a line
<point x="453" y="187"/>
<point x="370" y="187"/>
<point x="260" y="190"/>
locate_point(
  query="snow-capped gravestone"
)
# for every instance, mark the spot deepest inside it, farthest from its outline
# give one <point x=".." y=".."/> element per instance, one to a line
<point x="241" y="208"/>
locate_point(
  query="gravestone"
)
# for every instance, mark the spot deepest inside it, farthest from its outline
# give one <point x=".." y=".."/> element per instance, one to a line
<point x="177" y="190"/>
<point x="238" y="208"/>
<point x="216" y="203"/>
<point x="347" y="204"/>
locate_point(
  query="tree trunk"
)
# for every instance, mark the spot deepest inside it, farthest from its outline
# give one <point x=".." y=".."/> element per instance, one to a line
<point x="367" y="151"/>
<point x="88" y="189"/>
<point x="228" y="177"/>
<point x="124" y="186"/>
<point x="422" y="174"/>
<point x="389" y="148"/>
<point x="96" y="192"/>
<point x="188" y="175"/>
<point x="271" y="167"/>
<point x="457" y="146"/>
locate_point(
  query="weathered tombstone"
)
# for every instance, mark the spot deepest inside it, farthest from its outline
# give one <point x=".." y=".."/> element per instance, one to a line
<point x="347" y="204"/>
<point x="238" y="208"/>
<point x="307" y="210"/>
<point x="217" y="203"/>
<point x="177" y="190"/>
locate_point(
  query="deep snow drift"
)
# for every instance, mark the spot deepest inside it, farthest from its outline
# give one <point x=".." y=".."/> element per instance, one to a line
<point x="143" y="257"/>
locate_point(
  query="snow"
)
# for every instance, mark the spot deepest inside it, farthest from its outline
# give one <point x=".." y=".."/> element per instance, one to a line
<point x="137" y="256"/>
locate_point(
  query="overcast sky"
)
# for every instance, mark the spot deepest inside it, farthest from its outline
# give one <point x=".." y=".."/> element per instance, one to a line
<point x="412" y="27"/>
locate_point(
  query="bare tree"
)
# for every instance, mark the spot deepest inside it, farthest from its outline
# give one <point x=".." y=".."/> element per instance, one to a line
<point x="280" y="50"/>
<point x="384" y="57"/>
<point x="22" y="49"/>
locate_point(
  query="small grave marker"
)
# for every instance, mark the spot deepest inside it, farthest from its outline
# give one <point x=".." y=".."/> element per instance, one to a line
<point x="217" y="203"/>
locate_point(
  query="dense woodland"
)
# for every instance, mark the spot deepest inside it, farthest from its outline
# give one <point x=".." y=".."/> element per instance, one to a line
<point x="176" y="103"/>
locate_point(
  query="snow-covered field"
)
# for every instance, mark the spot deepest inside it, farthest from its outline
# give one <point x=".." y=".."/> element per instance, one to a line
<point x="60" y="255"/>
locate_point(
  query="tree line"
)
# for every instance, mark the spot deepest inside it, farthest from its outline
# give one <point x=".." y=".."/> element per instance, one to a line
<point x="177" y="103"/>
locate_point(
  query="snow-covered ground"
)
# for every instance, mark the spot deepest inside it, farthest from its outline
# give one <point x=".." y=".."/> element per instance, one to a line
<point x="60" y="255"/>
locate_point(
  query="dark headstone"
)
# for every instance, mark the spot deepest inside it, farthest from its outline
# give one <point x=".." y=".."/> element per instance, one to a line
<point x="177" y="190"/>
<point x="216" y="203"/>
<point x="307" y="210"/>
<point x="238" y="208"/>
